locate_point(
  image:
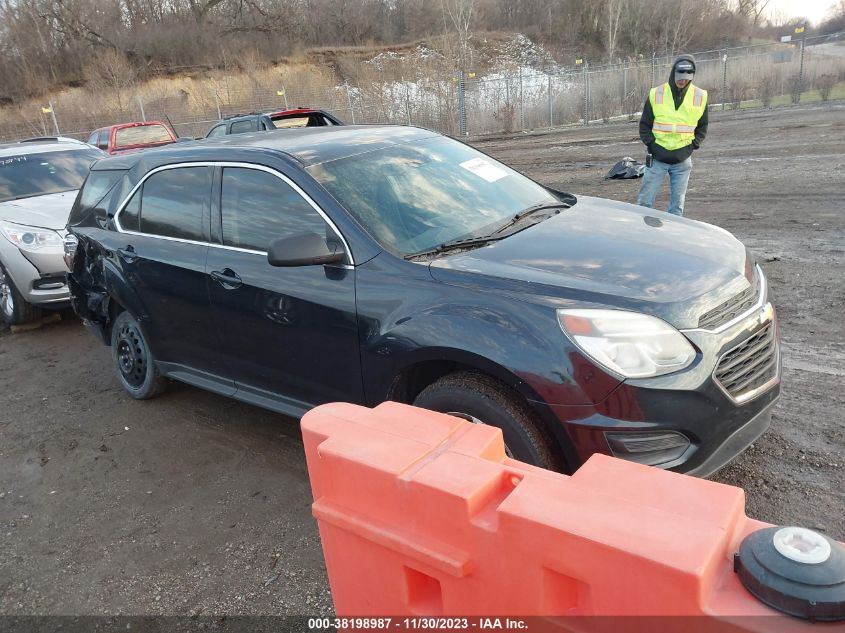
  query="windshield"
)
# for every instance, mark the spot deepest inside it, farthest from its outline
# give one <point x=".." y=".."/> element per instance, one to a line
<point x="414" y="198"/>
<point x="141" y="134"/>
<point x="27" y="175"/>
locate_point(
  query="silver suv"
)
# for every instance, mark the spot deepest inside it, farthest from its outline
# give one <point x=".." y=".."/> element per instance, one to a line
<point x="39" y="179"/>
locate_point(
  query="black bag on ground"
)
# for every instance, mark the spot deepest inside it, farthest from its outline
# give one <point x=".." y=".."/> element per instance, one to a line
<point x="626" y="168"/>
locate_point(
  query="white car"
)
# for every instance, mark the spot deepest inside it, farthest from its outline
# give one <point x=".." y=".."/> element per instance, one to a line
<point x="39" y="180"/>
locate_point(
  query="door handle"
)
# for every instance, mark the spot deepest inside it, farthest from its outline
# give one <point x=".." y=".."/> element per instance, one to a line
<point x="128" y="254"/>
<point x="227" y="278"/>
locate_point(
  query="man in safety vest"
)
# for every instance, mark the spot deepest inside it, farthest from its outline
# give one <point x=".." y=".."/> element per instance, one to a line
<point x="673" y="124"/>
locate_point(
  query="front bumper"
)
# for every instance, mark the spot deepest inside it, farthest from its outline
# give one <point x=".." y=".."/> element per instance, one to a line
<point x="39" y="277"/>
<point x="703" y="425"/>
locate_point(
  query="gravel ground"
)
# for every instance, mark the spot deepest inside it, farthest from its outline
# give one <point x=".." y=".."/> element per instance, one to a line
<point x="196" y="504"/>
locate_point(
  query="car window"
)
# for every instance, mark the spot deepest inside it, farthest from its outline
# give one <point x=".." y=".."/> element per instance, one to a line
<point x="93" y="193"/>
<point x="103" y="144"/>
<point x="174" y="201"/>
<point x="131" y="214"/>
<point x="219" y="130"/>
<point x="413" y="198"/>
<point x="92" y="140"/>
<point x="141" y="134"/>
<point x="239" y="127"/>
<point x="258" y="207"/>
<point x="38" y="174"/>
<point x="291" y="122"/>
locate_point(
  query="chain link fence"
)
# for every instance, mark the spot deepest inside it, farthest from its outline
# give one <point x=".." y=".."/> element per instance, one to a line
<point x="466" y="103"/>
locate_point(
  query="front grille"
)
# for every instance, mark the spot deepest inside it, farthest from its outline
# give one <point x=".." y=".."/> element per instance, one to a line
<point x="750" y="365"/>
<point x="732" y="308"/>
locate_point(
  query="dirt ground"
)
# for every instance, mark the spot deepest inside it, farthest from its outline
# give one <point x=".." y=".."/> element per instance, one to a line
<point x="196" y="504"/>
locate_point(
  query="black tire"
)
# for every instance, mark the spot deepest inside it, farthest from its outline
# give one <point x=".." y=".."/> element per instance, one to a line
<point x="133" y="361"/>
<point x="14" y="310"/>
<point x="481" y="398"/>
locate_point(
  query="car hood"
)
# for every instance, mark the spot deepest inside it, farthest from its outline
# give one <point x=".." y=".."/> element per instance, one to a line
<point x="46" y="212"/>
<point x="608" y="253"/>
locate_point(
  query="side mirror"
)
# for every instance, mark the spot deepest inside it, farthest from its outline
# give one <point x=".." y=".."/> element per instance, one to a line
<point x="305" y="249"/>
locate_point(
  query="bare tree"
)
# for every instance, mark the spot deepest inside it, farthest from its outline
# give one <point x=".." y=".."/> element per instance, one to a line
<point x="613" y="10"/>
<point x="111" y="72"/>
<point x="752" y="9"/>
<point x="461" y="14"/>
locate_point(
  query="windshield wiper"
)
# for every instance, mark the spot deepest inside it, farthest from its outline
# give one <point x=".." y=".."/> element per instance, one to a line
<point x="453" y="245"/>
<point x="525" y="213"/>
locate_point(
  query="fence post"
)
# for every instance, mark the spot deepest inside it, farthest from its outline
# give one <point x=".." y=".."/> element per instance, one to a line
<point x="801" y="65"/>
<point x="53" y="114"/>
<point x="624" y="84"/>
<point x="551" y="102"/>
<point x="349" y="101"/>
<point x="586" y="93"/>
<point x="217" y="103"/>
<point x="141" y="105"/>
<point x="521" y="104"/>
<point x="724" y="78"/>
<point x="653" y="62"/>
<point x="462" y="106"/>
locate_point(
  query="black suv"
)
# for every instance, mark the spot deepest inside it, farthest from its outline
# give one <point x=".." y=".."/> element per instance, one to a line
<point x="241" y="124"/>
<point x="365" y="263"/>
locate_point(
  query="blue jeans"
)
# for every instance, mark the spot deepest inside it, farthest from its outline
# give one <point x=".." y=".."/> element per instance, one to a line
<point x="678" y="180"/>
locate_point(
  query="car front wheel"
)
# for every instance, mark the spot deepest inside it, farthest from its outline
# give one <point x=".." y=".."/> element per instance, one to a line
<point x="482" y="399"/>
<point x="15" y="310"/>
<point x="133" y="361"/>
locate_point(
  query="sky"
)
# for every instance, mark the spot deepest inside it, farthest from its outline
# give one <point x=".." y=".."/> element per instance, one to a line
<point x="813" y="10"/>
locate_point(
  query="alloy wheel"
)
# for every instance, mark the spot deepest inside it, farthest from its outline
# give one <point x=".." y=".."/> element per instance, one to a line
<point x="7" y="301"/>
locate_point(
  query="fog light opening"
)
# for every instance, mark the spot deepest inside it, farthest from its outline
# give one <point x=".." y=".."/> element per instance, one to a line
<point x="650" y="448"/>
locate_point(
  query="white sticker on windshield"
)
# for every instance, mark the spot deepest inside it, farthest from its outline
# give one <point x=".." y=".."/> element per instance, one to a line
<point x="484" y="169"/>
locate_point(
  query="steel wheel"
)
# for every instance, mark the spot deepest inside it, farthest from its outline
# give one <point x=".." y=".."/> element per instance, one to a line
<point x="133" y="360"/>
<point x="131" y="355"/>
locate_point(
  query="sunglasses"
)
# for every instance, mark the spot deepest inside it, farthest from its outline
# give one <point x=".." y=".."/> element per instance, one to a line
<point x="685" y="72"/>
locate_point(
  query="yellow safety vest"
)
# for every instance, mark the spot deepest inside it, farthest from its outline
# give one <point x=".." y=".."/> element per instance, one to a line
<point x="674" y="129"/>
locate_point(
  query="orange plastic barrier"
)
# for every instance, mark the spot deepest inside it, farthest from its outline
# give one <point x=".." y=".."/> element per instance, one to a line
<point x="422" y="513"/>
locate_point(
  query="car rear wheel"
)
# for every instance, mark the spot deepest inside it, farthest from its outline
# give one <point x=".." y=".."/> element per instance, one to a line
<point x="133" y="361"/>
<point x="14" y="309"/>
<point x="482" y="399"/>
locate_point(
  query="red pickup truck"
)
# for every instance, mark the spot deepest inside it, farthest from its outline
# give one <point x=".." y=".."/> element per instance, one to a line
<point x="131" y="137"/>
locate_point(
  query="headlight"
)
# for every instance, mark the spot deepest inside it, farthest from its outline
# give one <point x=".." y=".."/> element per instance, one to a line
<point x="29" y="238"/>
<point x="629" y="344"/>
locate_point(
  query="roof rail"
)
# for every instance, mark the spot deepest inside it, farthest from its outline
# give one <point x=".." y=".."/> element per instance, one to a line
<point x="51" y="139"/>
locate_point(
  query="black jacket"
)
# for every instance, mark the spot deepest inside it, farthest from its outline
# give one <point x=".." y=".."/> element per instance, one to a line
<point x="662" y="154"/>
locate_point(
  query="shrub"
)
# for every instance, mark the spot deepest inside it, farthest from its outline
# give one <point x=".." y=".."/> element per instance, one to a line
<point x="766" y="88"/>
<point x="825" y="84"/>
